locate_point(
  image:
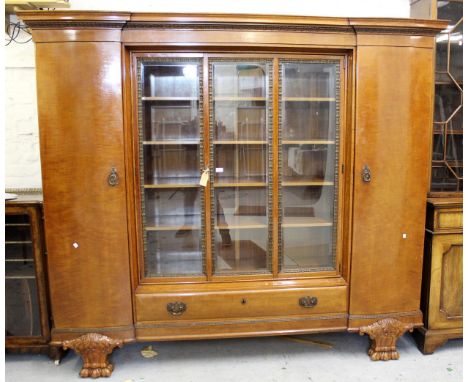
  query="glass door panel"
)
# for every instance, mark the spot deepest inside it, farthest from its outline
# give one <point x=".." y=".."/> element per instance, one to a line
<point x="22" y="316"/>
<point x="169" y="110"/>
<point x="240" y="177"/>
<point x="309" y="124"/>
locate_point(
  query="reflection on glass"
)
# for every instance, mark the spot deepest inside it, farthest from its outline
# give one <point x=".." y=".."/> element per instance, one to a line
<point x="456" y="52"/>
<point x="240" y="113"/>
<point x="21" y="307"/>
<point x="309" y="160"/>
<point x="170" y="137"/>
<point x="448" y="98"/>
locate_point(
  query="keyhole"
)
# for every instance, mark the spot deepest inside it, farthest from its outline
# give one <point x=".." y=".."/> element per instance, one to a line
<point x="243" y="301"/>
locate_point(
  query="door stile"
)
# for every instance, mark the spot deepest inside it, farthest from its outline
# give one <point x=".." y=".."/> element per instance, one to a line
<point x="207" y="244"/>
<point x="275" y="170"/>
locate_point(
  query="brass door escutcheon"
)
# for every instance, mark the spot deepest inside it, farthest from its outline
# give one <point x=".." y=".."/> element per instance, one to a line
<point x="113" y="178"/>
<point x="176" y="308"/>
<point x="308" y="302"/>
<point x="366" y="174"/>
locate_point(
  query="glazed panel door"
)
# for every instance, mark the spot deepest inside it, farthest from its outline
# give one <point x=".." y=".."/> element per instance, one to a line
<point x="171" y="159"/>
<point x="309" y="132"/>
<point x="240" y="135"/>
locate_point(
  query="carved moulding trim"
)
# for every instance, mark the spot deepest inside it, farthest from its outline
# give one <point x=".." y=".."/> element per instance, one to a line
<point x="36" y="24"/>
<point x="239" y="26"/>
<point x="94" y="330"/>
<point x="397" y="30"/>
<point x="384" y="315"/>
<point x="48" y="24"/>
<point x="237" y="322"/>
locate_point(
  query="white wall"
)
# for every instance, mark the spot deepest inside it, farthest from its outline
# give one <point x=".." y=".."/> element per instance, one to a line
<point x="21" y="128"/>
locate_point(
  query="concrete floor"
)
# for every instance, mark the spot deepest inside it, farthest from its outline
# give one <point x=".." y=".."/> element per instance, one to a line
<point x="255" y="359"/>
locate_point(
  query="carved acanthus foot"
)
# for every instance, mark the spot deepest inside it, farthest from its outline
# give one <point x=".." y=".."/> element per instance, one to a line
<point x="384" y="335"/>
<point x="94" y="349"/>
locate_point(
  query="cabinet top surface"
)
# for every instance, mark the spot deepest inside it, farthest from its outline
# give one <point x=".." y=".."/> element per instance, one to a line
<point x="121" y="20"/>
<point x="446" y="202"/>
<point x="26" y="198"/>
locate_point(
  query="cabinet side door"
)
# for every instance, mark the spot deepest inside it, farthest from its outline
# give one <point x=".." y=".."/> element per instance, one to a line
<point x="393" y="133"/>
<point x="81" y="135"/>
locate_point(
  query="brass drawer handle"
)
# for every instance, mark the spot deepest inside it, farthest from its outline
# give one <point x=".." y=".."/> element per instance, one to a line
<point x="113" y="178"/>
<point x="366" y="174"/>
<point x="176" y="308"/>
<point x="308" y="302"/>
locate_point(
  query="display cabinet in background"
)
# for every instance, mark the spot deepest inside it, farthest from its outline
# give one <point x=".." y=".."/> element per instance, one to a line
<point x="442" y="290"/>
<point x="27" y="316"/>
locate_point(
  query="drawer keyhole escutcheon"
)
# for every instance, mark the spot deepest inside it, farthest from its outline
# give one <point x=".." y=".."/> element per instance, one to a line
<point x="176" y="308"/>
<point x="308" y="302"/>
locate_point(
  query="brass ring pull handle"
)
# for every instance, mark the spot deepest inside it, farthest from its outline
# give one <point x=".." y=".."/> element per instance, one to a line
<point x="113" y="178"/>
<point x="308" y="302"/>
<point x="366" y="174"/>
<point x="176" y="308"/>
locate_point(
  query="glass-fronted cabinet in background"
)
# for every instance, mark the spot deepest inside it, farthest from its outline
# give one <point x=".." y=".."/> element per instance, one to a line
<point x="27" y="319"/>
<point x="239" y="160"/>
<point x="447" y="159"/>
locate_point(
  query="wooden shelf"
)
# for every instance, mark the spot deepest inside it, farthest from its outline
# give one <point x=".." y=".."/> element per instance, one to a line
<point x="169" y="98"/>
<point x="308" y="99"/>
<point x="19" y="277"/>
<point x="301" y="221"/>
<point x="187" y="182"/>
<point x="240" y="182"/>
<point x="174" y="223"/>
<point x="243" y="222"/>
<point x="18" y="242"/>
<point x="20" y="271"/>
<point x="312" y="182"/>
<point x="19" y="260"/>
<point x="240" y="142"/>
<point x="307" y="142"/>
<point x="17" y="224"/>
<point x="229" y="98"/>
<point x="450" y="132"/>
<point x="172" y="143"/>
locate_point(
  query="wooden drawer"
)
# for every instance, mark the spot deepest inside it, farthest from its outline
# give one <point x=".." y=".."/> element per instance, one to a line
<point x="445" y="215"/>
<point x="238" y="304"/>
<point x="449" y="219"/>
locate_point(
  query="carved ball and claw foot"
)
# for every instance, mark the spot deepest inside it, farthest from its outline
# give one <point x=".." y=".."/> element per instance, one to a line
<point x="94" y="349"/>
<point x="384" y="335"/>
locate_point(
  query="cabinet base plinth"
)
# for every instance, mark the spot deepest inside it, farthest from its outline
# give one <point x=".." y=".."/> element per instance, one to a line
<point x="428" y="340"/>
<point x="94" y="349"/>
<point x="384" y="335"/>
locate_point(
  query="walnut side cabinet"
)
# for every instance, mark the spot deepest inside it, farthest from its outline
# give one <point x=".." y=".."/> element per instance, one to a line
<point x="442" y="288"/>
<point x="211" y="176"/>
